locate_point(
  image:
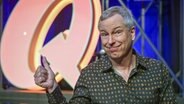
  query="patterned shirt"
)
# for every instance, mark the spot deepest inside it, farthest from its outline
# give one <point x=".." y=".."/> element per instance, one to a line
<point x="148" y="83"/>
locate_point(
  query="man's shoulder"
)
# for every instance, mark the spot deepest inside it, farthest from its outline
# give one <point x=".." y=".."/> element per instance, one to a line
<point x="155" y="67"/>
<point x="149" y="62"/>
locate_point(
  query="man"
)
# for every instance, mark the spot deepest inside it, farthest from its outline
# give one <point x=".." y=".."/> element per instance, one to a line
<point x="119" y="77"/>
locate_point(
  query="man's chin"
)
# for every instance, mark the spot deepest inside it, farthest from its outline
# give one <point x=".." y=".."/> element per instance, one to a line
<point x="114" y="55"/>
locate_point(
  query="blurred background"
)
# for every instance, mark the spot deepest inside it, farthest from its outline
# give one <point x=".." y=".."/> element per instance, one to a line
<point x="159" y="35"/>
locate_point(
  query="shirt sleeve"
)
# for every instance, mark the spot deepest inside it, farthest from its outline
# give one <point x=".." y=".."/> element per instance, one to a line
<point x="80" y="96"/>
<point x="81" y="91"/>
<point x="167" y="95"/>
<point x="56" y="97"/>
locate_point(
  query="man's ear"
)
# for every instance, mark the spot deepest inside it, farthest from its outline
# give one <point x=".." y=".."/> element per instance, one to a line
<point x="132" y="32"/>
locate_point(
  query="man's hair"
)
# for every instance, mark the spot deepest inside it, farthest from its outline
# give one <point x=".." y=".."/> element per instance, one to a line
<point x="124" y="12"/>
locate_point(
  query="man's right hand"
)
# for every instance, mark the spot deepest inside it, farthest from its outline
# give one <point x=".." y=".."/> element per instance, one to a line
<point x="45" y="77"/>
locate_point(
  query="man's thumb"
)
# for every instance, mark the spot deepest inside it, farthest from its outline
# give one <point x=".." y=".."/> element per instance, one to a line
<point x="45" y="63"/>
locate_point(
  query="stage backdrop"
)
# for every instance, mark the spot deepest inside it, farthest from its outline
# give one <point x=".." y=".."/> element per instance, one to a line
<point x="65" y="31"/>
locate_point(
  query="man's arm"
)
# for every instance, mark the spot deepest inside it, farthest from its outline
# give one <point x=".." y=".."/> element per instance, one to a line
<point x="80" y="96"/>
<point x="167" y="95"/>
<point x="45" y="77"/>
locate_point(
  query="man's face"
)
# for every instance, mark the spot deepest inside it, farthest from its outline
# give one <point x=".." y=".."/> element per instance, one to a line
<point x="116" y="38"/>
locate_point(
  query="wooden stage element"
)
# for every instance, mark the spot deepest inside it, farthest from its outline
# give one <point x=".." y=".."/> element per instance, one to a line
<point x="26" y="97"/>
<point x="34" y="97"/>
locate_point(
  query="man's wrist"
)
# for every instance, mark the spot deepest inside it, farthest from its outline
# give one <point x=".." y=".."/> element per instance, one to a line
<point x="50" y="90"/>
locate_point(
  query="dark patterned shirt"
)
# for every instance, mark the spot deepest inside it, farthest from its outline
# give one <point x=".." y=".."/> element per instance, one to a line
<point x="148" y="83"/>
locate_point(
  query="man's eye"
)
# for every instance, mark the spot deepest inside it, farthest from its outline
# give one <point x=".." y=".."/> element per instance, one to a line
<point x="117" y="32"/>
<point x="104" y="34"/>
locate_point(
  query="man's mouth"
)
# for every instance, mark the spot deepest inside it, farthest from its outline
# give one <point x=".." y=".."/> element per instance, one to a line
<point x="113" y="49"/>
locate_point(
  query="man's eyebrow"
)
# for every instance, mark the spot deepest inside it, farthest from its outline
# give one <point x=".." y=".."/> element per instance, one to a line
<point x="112" y="29"/>
<point x="116" y="27"/>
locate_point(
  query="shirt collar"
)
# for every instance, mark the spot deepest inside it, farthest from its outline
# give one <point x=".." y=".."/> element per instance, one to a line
<point x="106" y="65"/>
<point x="141" y="62"/>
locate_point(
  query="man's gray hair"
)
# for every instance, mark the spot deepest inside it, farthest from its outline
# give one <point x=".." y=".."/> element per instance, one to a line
<point x="124" y="12"/>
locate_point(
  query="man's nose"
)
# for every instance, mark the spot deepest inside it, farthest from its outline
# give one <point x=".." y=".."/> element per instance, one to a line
<point x="111" y="39"/>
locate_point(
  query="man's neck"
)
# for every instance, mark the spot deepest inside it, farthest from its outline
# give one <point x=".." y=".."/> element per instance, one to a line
<point x="124" y="66"/>
<point x="125" y="63"/>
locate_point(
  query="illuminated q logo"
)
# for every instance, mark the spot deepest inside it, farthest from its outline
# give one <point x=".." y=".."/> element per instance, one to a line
<point x="25" y="32"/>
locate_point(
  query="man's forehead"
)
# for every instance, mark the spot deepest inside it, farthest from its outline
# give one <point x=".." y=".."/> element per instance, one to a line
<point x="110" y="24"/>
